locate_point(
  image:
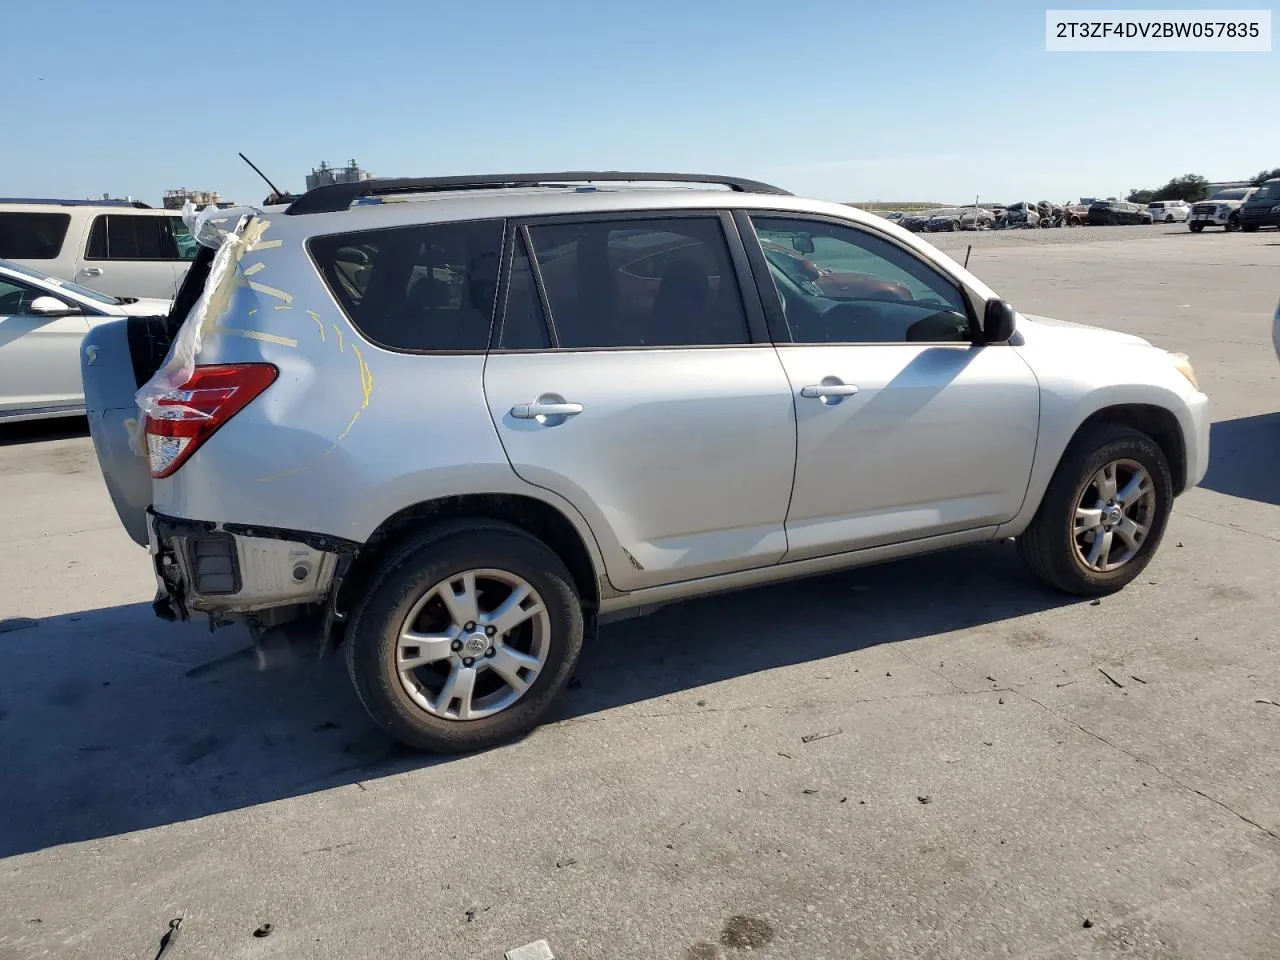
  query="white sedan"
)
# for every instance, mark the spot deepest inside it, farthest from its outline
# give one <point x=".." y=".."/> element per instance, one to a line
<point x="42" y="321"/>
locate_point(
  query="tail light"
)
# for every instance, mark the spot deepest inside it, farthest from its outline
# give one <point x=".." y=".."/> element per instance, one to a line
<point x="182" y="420"/>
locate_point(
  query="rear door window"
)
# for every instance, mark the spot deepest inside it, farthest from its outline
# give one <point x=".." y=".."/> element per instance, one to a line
<point x="120" y="237"/>
<point x="32" y="236"/>
<point x="427" y="287"/>
<point x="627" y="283"/>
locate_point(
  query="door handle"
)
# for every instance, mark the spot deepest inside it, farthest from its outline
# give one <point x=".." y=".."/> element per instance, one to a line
<point x="819" y="391"/>
<point x="830" y="390"/>
<point x="546" y="411"/>
<point x="92" y="271"/>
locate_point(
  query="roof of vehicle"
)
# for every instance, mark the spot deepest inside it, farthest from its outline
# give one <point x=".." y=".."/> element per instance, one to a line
<point x="333" y="197"/>
<point x="538" y="200"/>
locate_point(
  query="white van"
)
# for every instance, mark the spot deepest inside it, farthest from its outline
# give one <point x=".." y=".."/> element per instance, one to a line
<point x="117" y="247"/>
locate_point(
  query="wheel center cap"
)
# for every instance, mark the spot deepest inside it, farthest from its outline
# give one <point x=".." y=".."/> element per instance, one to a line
<point x="1113" y="515"/>
<point x="473" y="645"/>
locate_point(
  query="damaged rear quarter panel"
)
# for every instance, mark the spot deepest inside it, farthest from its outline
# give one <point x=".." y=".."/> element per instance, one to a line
<point x="349" y="433"/>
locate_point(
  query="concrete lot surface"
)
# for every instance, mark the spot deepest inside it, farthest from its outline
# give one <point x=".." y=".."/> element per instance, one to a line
<point x="1000" y="771"/>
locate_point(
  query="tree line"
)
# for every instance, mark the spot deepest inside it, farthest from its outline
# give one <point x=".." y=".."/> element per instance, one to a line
<point x="1190" y="187"/>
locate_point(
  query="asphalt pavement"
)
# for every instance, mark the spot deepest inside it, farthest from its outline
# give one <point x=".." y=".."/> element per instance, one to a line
<point x="932" y="759"/>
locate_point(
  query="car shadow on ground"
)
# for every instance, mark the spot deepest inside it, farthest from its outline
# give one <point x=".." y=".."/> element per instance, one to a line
<point x="40" y="431"/>
<point x="1244" y="458"/>
<point x="115" y="721"/>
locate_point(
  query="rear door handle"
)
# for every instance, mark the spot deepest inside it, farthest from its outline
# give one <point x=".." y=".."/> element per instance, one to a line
<point x="830" y="391"/>
<point x="548" y="409"/>
<point x="92" y="271"/>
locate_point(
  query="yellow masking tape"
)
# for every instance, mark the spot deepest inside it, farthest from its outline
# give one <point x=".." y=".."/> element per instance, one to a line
<point x="339" y="333"/>
<point x="256" y="335"/>
<point x="366" y="378"/>
<point x="319" y="323"/>
<point x="266" y="291"/>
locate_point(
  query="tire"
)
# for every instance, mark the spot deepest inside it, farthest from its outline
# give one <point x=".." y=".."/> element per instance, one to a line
<point x="1196" y="227"/>
<point x="409" y="577"/>
<point x="1169" y="218"/>
<point x="1233" y="224"/>
<point x="1049" y="545"/>
<point x="954" y="226"/>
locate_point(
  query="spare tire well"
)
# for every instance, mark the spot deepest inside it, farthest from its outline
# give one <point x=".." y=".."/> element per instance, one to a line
<point x="1157" y="423"/>
<point x="538" y="519"/>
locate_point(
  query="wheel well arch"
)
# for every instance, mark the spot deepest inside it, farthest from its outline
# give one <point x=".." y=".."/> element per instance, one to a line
<point x="1158" y="423"/>
<point x="535" y="517"/>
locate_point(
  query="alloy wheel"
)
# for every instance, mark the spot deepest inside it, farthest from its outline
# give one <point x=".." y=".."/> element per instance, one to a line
<point x="472" y="645"/>
<point x="1113" y="515"/>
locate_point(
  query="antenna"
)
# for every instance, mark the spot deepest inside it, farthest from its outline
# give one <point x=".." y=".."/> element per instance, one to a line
<point x="275" y="191"/>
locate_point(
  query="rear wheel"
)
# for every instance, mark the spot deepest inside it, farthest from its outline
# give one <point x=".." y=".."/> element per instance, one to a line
<point x="1103" y="514"/>
<point x="1196" y="227"/>
<point x="465" y="638"/>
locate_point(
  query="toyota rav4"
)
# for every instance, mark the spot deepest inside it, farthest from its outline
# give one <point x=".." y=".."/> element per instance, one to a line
<point x="455" y="423"/>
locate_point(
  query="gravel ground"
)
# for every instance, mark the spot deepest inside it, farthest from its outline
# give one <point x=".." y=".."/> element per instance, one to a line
<point x="932" y="759"/>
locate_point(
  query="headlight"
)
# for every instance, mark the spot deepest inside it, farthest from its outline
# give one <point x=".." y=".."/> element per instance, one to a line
<point x="1276" y="208"/>
<point x="1182" y="364"/>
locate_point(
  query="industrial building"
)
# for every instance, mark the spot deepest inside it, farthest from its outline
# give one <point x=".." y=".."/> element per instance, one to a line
<point x="325" y="174"/>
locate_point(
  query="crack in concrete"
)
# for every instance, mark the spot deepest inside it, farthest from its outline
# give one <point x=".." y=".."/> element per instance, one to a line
<point x="940" y="676"/>
<point x="1230" y="526"/>
<point x="1147" y="763"/>
<point x="834" y="701"/>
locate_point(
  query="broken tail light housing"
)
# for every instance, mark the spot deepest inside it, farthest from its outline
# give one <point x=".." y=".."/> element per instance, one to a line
<point x="183" y="419"/>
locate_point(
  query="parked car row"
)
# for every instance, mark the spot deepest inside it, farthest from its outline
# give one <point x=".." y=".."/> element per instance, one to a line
<point x="65" y="266"/>
<point x="1239" y="208"/>
<point x="945" y="219"/>
<point x="1235" y="208"/>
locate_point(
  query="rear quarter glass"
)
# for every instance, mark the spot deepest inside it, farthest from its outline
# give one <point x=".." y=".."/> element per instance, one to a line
<point x="32" y="235"/>
<point x="420" y="288"/>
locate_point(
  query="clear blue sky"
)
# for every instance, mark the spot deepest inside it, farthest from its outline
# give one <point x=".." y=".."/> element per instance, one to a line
<point x="840" y="99"/>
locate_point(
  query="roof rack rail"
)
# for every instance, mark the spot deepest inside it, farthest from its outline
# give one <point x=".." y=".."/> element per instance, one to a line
<point x="137" y="204"/>
<point x="334" y="197"/>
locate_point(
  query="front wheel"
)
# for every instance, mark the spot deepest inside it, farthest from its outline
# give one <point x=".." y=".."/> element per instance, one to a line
<point x="1169" y="218"/>
<point x="1103" y="514"/>
<point x="465" y="638"/>
<point x="1196" y="227"/>
<point x="1233" y="225"/>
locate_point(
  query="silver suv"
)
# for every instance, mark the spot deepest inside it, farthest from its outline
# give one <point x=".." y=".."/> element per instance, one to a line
<point x="456" y="423"/>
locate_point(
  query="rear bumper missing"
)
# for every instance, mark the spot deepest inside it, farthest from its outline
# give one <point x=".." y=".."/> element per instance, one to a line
<point x="222" y="569"/>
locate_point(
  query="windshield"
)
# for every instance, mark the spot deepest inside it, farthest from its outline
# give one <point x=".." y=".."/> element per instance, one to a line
<point x="1236" y="194"/>
<point x="1268" y="191"/>
<point x="75" y="288"/>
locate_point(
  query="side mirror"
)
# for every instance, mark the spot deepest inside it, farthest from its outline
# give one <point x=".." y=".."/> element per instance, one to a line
<point x="998" y="321"/>
<point x="50" y="307"/>
<point x="803" y="243"/>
